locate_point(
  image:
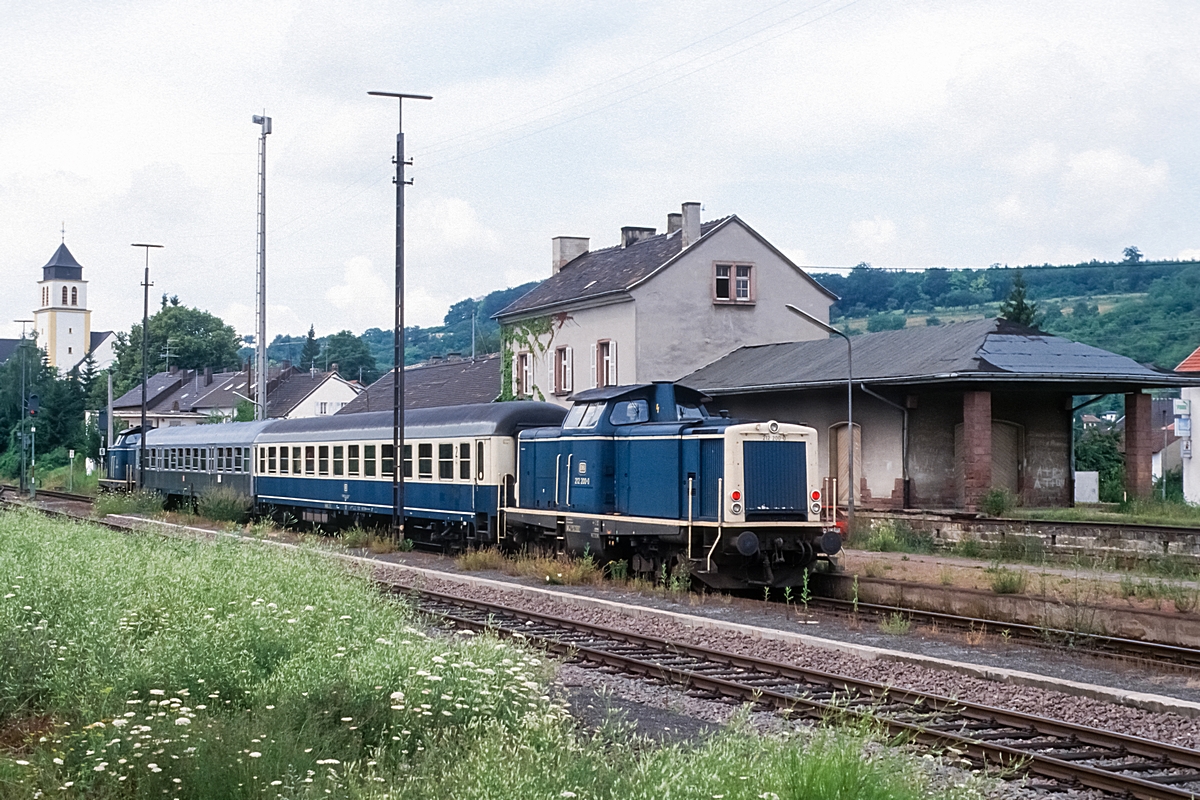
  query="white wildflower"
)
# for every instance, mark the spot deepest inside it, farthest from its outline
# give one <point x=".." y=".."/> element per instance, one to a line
<point x="183" y="721"/>
<point x="256" y="754"/>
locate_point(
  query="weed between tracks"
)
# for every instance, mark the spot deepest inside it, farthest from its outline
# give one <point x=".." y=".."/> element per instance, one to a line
<point x="147" y="668"/>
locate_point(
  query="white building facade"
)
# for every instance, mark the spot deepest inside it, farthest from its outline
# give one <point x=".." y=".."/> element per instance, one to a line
<point x="63" y="321"/>
<point x="656" y="307"/>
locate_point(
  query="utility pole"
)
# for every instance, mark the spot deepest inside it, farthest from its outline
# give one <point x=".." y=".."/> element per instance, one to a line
<point x="398" y="335"/>
<point x="260" y="345"/>
<point x="146" y="284"/>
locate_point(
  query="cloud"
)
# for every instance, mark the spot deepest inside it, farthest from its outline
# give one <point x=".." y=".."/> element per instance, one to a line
<point x="1191" y="254"/>
<point x="364" y="297"/>
<point x="874" y="235"/>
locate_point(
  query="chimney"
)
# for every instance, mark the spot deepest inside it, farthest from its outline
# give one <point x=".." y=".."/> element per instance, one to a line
<point x="285" y="366"/>
<point x="565" y="249"/>
<point x="333" y="367"/>
<point x="691" y="224"/>
<point x="454" y="356"/>
<point x="174" y="370"/>
<point x="674" y="223"/>
<point x="208" y="376"/>
<point x="630" y="235"/>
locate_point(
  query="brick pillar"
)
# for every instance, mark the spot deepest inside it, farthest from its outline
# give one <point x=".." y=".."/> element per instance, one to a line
<point x="1139" y="446"/>
<point x="977" y="447"/>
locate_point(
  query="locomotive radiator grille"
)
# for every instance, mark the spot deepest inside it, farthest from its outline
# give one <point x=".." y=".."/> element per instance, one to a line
<point x="776" y="478"/>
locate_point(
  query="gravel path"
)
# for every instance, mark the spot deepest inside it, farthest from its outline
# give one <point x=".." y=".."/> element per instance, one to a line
<point x="1170" y="728"/>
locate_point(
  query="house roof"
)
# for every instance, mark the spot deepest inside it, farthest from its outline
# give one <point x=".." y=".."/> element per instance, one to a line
<point x="987" y="351"/>
<point x="98" y="338"/>
<point x="450" y="383"/>
<point x="286" y="388"/>
<point x="615" y="270"/>
<point x="63" y="266"/>
<point x="1191" y="363"/>
<point x="288" y="393"/>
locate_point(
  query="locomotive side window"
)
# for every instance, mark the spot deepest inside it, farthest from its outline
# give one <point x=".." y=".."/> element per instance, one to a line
<point x="630" y="412"/>
<point x="296" y="463"/>
<point x="283" y="461"/>
<point x="352" y="457"/>
<point x="388" y="457"/>
<point x="479" y="460"/>
<point x="464" y="461"/>
<point x="408" y="460"/>
<point x="339" y="459"/>
<point x="323" y="459"/>
<point x="310" y="460"/>
<point x="446" y="461"/>
<point x="425" y="460"/>
<point x="368" y="461"/>
<point x="584" y="416"/>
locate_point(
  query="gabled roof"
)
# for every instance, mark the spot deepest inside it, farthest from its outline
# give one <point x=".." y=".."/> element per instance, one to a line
<point x="988" y="350"/>
<point x="616" y="270"/>
<point x="1191" y="363"/>
<point x="98" y="338"/>
<point x="450" y="383"/>
<point x="287" y="388"/>
<point x="62" y="266"/>
<point x="291" y="391"/>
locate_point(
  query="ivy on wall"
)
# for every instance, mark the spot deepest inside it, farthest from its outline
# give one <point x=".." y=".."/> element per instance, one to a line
<point x="535" y="334"/>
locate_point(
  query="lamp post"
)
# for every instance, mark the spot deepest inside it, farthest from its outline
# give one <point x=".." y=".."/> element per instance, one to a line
<point x="398" y="334"/>
<point x="260" y="346"/>
<point x="849" y="410"/>
<point x="145" y="347"/>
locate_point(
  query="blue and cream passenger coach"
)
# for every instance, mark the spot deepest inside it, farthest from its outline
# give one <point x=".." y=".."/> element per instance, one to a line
<point x="456" y="463"/>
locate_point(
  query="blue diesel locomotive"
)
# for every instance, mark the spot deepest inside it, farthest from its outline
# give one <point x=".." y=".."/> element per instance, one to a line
<point x="637" y="473"/>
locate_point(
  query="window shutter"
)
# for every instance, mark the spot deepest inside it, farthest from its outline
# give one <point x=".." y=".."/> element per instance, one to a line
<point x="551" y="386"/>
<point x="611" y="378"/>
<point x="594" y="384"/>
<point x="527" y="375"/>
<point x="569" y="371"/>
<point x="516" y="375"/>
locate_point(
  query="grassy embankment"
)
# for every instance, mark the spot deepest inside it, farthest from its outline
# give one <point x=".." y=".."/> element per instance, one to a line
<point x="136" y="667"/>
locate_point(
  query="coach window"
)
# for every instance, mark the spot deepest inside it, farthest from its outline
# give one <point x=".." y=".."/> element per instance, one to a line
<point x="220" y="459"/>
<point x="387" y="455"/>
<point x="296" y="462"/>
<point x="339" y="459"/>
<point x="262" y="459"/>
<point x="283" y="461"/>
<point x="479" y="460"/>
<point x="446" y="461"/>
<point x="310" y="460"/>
<point x="187" y="457"/>
<point x="408" y="460"/>
<point x="352" y="458"/>
<point x="323" y="459"/>
<point x="368" y="461"/>
<point x="237" y="459"/>
<point x="464" y="461"/>
<point x="272" y="459"/>
<point x="425" y="460"/>
<point x="246" y="458"/>
<point x="204" y="459"/>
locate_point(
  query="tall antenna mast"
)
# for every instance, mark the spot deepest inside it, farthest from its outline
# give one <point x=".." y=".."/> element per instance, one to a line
<point x="260" y="338"/>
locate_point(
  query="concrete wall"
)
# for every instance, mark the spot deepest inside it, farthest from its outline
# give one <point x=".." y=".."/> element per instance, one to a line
<point x="680" y="328"/>
<point x="1045" y="419"/>
<point x="932" y="469"/>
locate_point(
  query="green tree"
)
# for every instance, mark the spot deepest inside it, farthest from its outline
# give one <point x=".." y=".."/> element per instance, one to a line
<point x="351" y="354"/>
<point x="1101" y="452"/>
<point x="244" y="411"/>
<point x="1132" y="255"/>
<point x="1017" y="307"/>
<point x="197" y="339"/>
<point x="311" y="351"/>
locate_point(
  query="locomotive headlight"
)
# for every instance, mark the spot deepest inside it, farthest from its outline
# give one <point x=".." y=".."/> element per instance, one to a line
<point x="736" y="508"/>
<point x="773" y="427"/>
<point x="816" y="508"/>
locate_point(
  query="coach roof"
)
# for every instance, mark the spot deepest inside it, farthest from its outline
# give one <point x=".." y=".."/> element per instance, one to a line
<point x="228" y="433"/>
<point x="479" y="419"/>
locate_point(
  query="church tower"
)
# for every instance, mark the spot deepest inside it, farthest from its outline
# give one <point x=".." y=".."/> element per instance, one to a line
<point x="63" y="322"/>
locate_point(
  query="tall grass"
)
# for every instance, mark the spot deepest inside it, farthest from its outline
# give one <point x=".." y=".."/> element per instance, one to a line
<point x="559" y="570"/>
<point x="224" y="504"/>
<point x="891" y="536"/>
<point x="143" y="668"/>
<point x="143" y="501"/>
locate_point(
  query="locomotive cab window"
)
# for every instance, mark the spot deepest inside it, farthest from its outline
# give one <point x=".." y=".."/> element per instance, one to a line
<point x="584" y="416"/>
<point x="629" y="412"/>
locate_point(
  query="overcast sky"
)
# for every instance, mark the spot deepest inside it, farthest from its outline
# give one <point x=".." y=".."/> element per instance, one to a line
<point x="906" y="134"/>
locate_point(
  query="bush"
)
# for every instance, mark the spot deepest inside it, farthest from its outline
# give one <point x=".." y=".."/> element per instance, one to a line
<point x="997" y="503"/>
<point x="894" y="536"/>
<point x="1008" y="581"/>
<point x="885" y="322"/>
<point x="224" y="504"/>
<point x="143" y="501"/>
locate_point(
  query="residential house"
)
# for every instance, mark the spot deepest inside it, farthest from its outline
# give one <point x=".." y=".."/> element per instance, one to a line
<point x="943" y="415"/>
<point x="191" y="397"/>
<point x="655" y="307"/>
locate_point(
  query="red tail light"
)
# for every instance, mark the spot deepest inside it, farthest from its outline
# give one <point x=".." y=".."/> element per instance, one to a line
<point x="816" y="495"/>
<point x="736" y="495"/>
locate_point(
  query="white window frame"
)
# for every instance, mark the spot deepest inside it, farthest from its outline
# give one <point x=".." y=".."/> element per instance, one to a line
<point x="563" y="367"/>
<point x="523" y="374"/>
<point x="604" y="363"/>
<point x="751" y="283"/>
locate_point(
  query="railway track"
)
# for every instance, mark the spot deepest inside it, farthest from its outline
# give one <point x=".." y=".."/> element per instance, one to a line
<point x="1141" y="651"/>
<point x="1066" y="753"/>
<point x="10" y="492"/>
